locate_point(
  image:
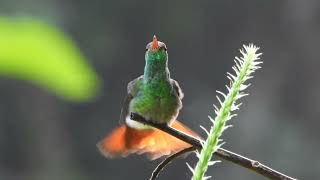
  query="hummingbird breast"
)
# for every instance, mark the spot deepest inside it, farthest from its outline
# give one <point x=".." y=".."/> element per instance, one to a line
<point x="157" y="102"/>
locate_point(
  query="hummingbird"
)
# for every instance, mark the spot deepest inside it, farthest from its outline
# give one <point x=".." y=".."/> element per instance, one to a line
<point x="156" y="97"/>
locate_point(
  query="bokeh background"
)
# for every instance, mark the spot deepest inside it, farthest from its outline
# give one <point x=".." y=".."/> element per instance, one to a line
<point x="46" y="137"/>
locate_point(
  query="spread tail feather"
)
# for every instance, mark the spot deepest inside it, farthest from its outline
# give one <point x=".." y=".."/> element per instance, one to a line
<point x="155" y="143"/>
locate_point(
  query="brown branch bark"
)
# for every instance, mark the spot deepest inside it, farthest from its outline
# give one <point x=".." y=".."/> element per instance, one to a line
<point x="253" y="165"/>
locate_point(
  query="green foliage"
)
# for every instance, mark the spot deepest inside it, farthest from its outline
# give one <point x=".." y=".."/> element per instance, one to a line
<point x="243" y="70"/>
<point x="34" y="51"/>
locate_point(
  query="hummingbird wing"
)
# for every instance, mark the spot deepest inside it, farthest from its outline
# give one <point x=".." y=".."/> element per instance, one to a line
<point x="132" y="90"/>
<point x="177" y="88"/>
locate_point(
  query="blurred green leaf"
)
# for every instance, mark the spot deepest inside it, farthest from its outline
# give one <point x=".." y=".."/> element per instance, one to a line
<point x="34" y="51"/>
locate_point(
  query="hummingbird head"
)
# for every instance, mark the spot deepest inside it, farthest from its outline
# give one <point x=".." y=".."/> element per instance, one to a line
<point x="156" y="51"/>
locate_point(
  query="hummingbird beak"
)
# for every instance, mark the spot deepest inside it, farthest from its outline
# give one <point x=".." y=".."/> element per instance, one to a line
<point x="154" y="44"/>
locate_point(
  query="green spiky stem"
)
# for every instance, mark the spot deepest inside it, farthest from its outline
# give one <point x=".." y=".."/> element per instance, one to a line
<point x="243" y="69"/>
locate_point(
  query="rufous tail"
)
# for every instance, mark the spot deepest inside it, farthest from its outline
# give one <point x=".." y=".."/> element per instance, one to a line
<point x="155" y="143"/>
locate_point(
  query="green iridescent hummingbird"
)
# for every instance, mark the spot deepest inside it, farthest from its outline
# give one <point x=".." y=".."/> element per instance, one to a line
<point x="156" y="97"/>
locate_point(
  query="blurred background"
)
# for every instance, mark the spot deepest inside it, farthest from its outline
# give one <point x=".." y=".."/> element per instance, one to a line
<point x="58" y="100"/>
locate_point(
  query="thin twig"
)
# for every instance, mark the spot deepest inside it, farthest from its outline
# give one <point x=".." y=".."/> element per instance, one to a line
<point x="168" y="160"/>
<point x="253" y="165"/>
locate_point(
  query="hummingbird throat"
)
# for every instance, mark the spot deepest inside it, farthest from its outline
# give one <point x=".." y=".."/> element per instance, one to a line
<point x="156" y="70"/>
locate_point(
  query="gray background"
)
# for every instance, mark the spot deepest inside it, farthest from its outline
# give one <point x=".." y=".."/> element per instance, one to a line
<point x="44" y="137"/>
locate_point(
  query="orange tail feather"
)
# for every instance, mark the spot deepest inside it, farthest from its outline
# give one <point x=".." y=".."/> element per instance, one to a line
<point x="155" y="143"/>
